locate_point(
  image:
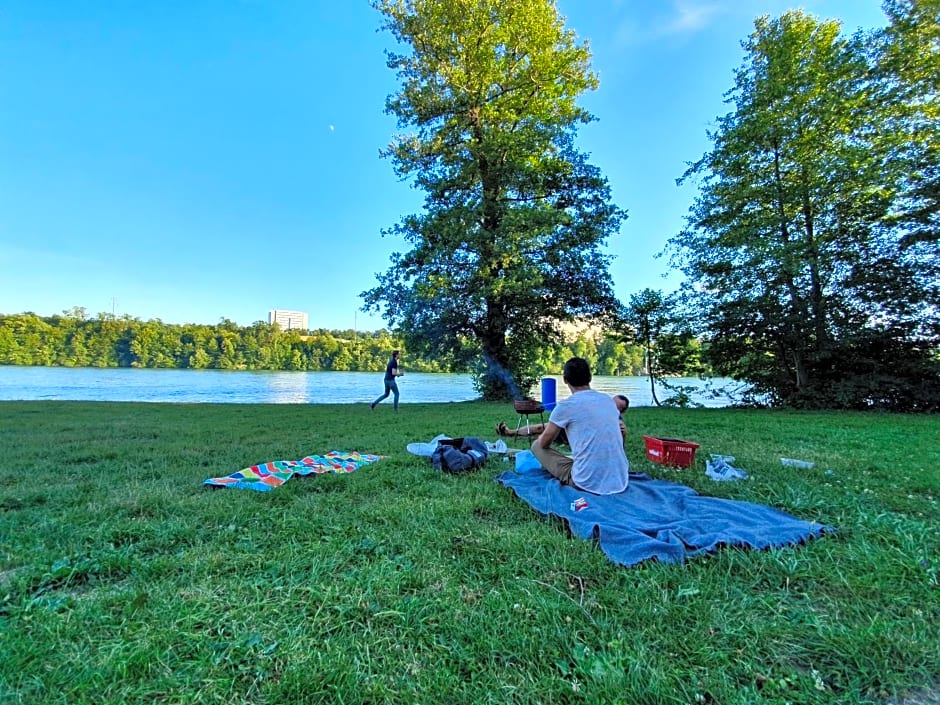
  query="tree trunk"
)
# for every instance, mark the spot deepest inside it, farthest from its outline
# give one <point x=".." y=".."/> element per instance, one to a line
<point x="816" y="300"/>
<point x="649" y="372"/>
<point x="796" y="300"/>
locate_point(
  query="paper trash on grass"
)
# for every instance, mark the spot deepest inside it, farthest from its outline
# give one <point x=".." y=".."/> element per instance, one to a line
<point x="718" y="468"/>
<point x="793" y="463"/>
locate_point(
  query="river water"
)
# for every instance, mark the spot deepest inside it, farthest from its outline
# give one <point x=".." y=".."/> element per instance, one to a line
<point x="242" y="387"/>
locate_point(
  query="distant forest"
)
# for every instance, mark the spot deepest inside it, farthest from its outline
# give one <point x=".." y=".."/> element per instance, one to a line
<point x="76" y="340"/>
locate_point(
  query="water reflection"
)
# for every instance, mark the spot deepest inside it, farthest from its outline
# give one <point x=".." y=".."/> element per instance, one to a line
<point x="284" y="388"/>
<point x="637" y="389"/>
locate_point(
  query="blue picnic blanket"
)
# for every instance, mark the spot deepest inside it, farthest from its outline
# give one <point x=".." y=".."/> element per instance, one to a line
<point x="658" y="519"/>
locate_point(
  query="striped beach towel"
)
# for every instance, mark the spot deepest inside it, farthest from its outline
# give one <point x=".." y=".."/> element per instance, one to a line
<point x="266" y="476"/>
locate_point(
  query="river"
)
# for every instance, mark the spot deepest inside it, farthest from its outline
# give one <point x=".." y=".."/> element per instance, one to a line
<point x="243" y="387"/>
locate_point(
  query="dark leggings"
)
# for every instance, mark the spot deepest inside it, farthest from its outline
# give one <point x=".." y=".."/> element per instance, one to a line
<point x="391" y="387"/>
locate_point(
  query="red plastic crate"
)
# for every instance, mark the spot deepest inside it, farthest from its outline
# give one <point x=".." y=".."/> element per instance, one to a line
<point x="670" y="451"/>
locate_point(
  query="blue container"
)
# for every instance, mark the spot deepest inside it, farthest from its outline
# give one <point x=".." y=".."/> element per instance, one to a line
<point x="548" y="393"/>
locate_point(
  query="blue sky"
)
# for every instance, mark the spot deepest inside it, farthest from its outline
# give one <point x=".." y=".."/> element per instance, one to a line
<point x="193" y="160"/>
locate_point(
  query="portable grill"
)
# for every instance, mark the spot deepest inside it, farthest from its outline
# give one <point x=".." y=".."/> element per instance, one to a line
<point x="528" y="406"/>
<point x="525" y="408"/>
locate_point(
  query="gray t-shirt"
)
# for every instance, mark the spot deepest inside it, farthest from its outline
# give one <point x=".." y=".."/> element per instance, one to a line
<point x="592" y="423"/>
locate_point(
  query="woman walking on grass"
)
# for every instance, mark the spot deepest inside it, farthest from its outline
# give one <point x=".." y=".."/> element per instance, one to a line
<point x="391" y="386"/>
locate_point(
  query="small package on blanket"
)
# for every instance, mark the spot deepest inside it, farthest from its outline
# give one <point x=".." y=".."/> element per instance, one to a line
<point x="458" y="455"/>
<point x="527" y="462"/>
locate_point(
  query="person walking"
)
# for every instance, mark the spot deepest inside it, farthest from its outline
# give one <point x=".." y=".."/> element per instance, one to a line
<point x="391" y="386"/>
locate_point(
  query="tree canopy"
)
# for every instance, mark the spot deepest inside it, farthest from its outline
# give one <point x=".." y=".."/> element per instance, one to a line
<point x="909" y="67"/>
<point x="510" y="241"/>
<point x="811" y="285"/>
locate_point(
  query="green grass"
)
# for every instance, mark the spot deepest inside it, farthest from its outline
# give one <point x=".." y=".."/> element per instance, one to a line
<point x="124" y="580"/>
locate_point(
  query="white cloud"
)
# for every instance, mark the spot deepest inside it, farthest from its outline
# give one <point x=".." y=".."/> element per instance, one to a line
<point x="690" y="17"/>
<point x="648" y="22"/>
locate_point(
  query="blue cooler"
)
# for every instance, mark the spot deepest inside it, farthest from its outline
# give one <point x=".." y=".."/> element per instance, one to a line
<point x="548" y="393"/>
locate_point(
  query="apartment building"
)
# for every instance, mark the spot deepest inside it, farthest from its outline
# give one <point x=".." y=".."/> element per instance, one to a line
<point x="289" y="320"/>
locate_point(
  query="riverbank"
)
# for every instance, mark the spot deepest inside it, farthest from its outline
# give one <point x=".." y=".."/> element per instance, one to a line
<point x="124" y="580"/>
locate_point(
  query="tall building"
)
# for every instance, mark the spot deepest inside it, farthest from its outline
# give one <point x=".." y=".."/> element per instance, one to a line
<point x="289" y="320"/>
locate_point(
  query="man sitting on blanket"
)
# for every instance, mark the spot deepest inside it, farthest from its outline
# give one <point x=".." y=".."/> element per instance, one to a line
<point x="595" y="433"/>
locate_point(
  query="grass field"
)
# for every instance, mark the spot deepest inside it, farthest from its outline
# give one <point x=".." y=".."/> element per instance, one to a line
<point x="124" y="580"/>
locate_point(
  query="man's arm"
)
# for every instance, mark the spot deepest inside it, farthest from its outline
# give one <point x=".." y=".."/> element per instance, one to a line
<point x="548" y="435"/>
<point x="623" y="431"/>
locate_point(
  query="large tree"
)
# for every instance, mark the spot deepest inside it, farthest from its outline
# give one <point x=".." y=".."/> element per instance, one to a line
<point x="807" y="289"/>
<point x="510" y="241"/>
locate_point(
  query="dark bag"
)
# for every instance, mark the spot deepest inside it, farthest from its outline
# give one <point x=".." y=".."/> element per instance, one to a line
<point x="458" y="455"/>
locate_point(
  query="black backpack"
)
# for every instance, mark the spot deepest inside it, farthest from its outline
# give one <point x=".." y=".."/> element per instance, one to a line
<point x="458" y="455"/>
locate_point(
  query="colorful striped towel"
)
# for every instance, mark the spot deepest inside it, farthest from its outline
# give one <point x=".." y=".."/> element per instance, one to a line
<point x="266" y="476"/>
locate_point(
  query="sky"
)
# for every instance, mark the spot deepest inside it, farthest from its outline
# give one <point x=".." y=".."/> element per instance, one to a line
<point x="194" y="160"/>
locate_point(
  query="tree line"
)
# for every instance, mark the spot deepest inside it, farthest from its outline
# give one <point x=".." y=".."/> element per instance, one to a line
<point x="811" y="253"/>
<point x="75" y="339"/>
